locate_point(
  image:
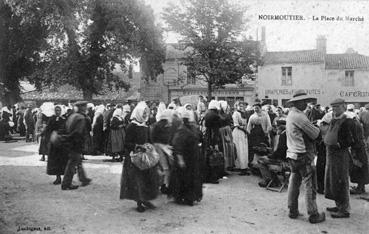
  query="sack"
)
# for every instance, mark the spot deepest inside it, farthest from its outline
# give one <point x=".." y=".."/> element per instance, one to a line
<point x="60" y="140"/>
<point x="145" y="157"/>
<point x="215" y="158"/>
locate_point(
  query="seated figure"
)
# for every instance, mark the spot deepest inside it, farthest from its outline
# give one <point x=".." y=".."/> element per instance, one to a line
<point x="277" y="158"/>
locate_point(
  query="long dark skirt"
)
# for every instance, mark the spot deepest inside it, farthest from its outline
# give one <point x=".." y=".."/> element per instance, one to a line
<point x="337" y="174"/>
<point x="88" y="146"/>
<point x="256" y="137"/>
<point x="138" y="185"/>
<point x="360" y="174"/>
<point x="186" y="183"/>
<point x="227" y="147"/>
<point x="320" y="165"/>
<point x="56" y="161"/>
<point x="44" y="145"/>
<point x="98" y="140"/>
<point x="116" y="138"/>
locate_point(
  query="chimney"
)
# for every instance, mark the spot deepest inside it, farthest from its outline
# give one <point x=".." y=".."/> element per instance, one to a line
<point x="263" y="46"/>
<point x="263" y="34"/>
<point x="321" y="44"/>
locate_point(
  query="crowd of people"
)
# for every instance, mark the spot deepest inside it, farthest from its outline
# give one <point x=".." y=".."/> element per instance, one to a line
<point x="175" y="148"/>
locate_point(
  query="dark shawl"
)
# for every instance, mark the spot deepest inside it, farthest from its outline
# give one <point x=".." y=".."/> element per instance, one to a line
<point x="136" y="184"/>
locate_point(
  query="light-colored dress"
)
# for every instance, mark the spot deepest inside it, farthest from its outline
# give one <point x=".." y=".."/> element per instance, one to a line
<point x="240" y="140"/>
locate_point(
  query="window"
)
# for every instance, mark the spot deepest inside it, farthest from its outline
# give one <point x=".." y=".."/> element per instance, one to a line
<point x="349" y="78"/>
<point x="284" y="102"/>
<point x="191" y="78"/>
<point x="275" y="102"/>
<point x="286" y="76"/>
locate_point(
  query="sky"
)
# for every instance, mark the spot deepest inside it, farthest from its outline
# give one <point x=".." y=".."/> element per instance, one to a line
<point x="301" y="34"/>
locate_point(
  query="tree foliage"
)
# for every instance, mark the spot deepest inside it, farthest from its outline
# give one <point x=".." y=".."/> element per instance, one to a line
<point x="22" y="35"/>
<point x="81" y="42"/>
<point x="212" y="30"/>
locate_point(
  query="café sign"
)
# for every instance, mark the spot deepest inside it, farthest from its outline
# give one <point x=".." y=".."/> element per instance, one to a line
<point x="354" y="93"/>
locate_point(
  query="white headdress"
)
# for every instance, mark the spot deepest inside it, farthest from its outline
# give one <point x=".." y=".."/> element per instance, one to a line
<point x="214" y="104"/>
<point x="48" y="109"/>
<point x="138" y="112"/>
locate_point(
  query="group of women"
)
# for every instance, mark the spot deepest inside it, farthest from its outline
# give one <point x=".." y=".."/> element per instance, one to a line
<point x="235" y="135"/>
<point x="186" y="144"/>
<point x="177" y="141"/>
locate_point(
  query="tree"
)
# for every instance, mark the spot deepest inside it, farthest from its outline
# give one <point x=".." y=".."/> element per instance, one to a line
<point x="22" y="35"/>
<point x="78" y="42"/>
<point x="109" y="33"/>
<point x="211" y="29"/>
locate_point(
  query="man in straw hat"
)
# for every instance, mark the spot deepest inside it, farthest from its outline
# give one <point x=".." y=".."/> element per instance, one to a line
<point x="301" y="134"/>
<point x="75" y="128"/>
<point x="338" y="139"/>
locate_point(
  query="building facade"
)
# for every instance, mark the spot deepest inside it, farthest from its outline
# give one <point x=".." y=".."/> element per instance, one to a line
<point x="323" y="76"/>
<point x="176" y="82"/>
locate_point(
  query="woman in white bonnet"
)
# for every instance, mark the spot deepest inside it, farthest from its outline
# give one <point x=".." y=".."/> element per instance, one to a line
<point x="161" y="137"/>
<point x="212" y="141"/>
<point x="47" y="110"/>
<point x="98" y="130"/>
<point x="117" y="134"/>
<point x="138" y="185"/>
<point x="228" y="147"/>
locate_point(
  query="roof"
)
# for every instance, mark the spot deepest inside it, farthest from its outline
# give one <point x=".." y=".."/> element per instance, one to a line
<point x="299" y="56"/>
<point x="332" y="61"/>
<point x="346" y="61"/>
<point x="68" y="92"/>
<point x="174" y="51"/>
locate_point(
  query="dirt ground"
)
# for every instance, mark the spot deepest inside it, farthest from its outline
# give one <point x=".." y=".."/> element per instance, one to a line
<point x="30" y="203"/>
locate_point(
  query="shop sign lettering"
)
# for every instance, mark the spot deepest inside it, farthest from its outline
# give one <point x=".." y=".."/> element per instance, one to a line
<point x="291" y="91"/>
<point x="354" y="93"/>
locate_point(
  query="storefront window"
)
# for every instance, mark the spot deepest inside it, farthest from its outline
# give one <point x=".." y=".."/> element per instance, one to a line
<point x="275" y="102"/>
<point x="284" y="102"/>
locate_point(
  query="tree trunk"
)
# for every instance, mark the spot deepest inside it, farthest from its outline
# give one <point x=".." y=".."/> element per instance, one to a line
<point x="87" y="95"/>
<point x="210" y="91"/>
<point x="2" y="51"/>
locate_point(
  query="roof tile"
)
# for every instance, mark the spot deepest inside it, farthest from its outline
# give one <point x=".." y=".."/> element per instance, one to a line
<point x="300" y="56"/>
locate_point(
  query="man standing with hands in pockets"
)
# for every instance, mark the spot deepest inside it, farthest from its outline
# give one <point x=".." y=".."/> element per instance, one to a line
<point x="301" y="134"/>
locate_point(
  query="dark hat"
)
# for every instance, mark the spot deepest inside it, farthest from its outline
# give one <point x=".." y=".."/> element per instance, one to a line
<point x="337" y="101"/>
<point x="300" y="95"/>
<point x="257" y="104"/>
<point x="281" y="122"/>
<point x="81" y="103"/>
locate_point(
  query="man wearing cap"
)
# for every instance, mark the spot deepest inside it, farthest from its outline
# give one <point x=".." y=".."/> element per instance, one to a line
<point x="339" y="138"/>
<point x="301" y="136"/>
<point x="76" y="131"/>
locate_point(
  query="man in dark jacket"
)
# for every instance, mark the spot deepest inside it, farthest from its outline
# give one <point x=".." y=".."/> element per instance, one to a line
<point x="338" y="140"/>
<point x="108" y="114"/>
<point x="277" y="158"/>
<point x="29" y="123"/>
<point x="76" y="131"/>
